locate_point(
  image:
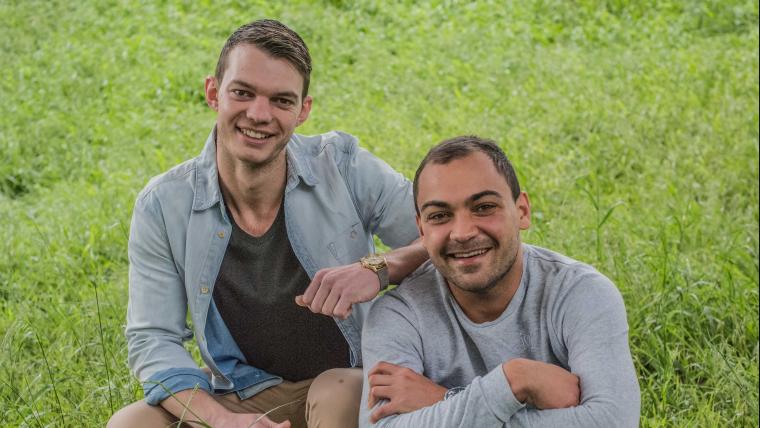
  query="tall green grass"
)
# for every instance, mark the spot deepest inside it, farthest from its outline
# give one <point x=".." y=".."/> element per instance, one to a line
<point x="633" y="126"/>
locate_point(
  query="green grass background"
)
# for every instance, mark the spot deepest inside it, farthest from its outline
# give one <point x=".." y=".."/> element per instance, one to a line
<point x="633" y="126"/>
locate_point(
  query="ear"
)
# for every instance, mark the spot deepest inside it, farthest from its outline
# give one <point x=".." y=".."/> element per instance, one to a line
<point x="212" y="93"/>
<point x="523" y="208"/>
<point x="305" y="110"/>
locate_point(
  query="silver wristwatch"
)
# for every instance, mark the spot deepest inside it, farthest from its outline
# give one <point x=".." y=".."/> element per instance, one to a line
<point x="452" y="392"/>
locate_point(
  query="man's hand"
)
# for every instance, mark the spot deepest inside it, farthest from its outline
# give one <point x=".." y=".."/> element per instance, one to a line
<point x="247" y="420"/>
<point x="334" y="290"/>
<point x="545" y="386"/>
<point x="197" y="408"/>
<point x="405" y="389"/>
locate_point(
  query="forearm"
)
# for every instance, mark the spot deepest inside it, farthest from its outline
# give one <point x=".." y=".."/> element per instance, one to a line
<point x="593" y="329"/>
<point x="404" y="260"/>
<point x="486" y="402"/>
<point x="195" y="407"/>
<point x="612" y="400"/>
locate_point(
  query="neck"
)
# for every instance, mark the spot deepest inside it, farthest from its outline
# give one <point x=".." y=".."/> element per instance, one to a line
<point x="253" y="193"/>
<point x="489" y="305"/>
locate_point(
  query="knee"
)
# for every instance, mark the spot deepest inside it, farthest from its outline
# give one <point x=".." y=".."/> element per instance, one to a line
<point x="120" y="419"/>
<point x="336" y="385"/>
<point x="139" y="414"/>
<point x="334" y="394"/>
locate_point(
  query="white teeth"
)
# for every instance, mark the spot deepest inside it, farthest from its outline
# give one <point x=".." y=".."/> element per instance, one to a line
<point x="469" y="254"/>
<point x="254" y="134"/>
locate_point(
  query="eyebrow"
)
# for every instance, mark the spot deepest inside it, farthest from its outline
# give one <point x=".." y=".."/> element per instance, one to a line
<point x="473" y="198"/>
<point x="439" y="204"/>
<point x="483" y="194"/>
<point x="250" y="87"/>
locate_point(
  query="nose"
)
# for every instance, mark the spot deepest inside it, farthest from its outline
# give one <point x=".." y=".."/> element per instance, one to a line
<point x="463" y="229"/>
<point x="259" y="110"/>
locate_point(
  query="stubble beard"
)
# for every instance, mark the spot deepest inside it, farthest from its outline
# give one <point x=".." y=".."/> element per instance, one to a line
<point x="453" y="277"/>
<point x="259" y="165"/>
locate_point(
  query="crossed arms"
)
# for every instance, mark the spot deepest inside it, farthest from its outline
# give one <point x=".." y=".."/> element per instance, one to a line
<point x="597" y="387"/>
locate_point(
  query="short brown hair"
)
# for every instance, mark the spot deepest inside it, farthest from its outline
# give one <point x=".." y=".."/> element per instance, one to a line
<point x="459" y="147"/>
<point x="274" y="38"/>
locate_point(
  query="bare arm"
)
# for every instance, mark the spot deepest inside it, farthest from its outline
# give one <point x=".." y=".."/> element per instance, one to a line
<point x="197" y="407"/>
<point x="332" y="291"/>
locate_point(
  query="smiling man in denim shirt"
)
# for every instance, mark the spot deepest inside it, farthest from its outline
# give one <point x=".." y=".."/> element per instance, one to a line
<point x="263" y="228"/>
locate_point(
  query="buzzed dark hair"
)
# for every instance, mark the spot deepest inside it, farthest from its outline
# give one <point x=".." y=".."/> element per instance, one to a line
<point x="274" y="38"/>
<point x="459" y="147"/>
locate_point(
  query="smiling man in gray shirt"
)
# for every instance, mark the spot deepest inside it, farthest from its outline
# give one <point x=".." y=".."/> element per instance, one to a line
<point x="493" y="332"/>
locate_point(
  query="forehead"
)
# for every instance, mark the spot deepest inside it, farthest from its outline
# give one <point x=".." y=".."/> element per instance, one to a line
<point x="455" y="182"/>
<point x="248" y="63"/>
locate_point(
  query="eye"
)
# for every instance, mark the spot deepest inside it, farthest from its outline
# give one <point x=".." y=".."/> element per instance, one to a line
<point x="241" y="93"/>
<point x="437" y="217"/>
<point x="284" y="102"/>
<point x="484" y="209"/>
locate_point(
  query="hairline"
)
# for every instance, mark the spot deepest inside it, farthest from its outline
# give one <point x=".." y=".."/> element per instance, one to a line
<point x="460" y="147"/>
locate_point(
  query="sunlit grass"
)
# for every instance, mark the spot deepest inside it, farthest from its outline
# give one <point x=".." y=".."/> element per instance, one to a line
<point x="633" y="126"/>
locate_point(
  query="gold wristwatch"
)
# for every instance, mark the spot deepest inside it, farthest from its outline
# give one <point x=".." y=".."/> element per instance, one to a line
<point x="377" y="263"/>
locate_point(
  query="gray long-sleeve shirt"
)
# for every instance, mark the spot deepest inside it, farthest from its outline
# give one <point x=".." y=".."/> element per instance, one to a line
<point x="564" y="312"/>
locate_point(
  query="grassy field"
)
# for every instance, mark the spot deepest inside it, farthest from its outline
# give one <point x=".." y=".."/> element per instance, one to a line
<point x="633" y="126"/>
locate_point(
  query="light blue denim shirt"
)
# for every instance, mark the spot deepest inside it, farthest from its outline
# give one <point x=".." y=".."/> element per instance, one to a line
<point x="337" y="197"/>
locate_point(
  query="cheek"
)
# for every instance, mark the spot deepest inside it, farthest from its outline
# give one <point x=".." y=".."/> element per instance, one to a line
<point x="433" y="238"/>
<point x="498" y="228"/>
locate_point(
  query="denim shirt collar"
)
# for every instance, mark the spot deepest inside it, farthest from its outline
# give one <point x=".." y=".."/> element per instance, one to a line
<point x="207" y="191"/>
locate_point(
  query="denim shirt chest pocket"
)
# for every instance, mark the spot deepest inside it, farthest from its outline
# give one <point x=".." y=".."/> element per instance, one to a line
<point x="349" y="244"/>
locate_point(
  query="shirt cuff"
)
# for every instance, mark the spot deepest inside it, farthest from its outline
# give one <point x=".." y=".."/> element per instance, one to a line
<point x="498" y="394"/>
<point x="163" y="384"/>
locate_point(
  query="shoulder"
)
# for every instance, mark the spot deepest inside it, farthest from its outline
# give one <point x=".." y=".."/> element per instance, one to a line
<point x="336" y="143"/>
<point x="420" y="290"/>
<point x="170" y="187"/>
<point x="560" y="269"/>
<point x="568" y="282"/>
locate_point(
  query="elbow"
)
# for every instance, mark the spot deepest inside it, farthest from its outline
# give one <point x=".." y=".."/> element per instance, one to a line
<point x="621" y="415"/>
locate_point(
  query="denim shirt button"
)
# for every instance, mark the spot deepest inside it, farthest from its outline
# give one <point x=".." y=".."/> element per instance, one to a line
<point x="204" y="290"/>
<point x="220" y="234"/>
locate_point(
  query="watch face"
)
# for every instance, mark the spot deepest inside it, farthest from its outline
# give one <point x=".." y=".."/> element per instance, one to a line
<point x="374" y="262"/>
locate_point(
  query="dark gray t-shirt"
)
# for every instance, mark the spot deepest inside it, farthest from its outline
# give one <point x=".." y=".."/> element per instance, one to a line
<point x="255" y="294"/>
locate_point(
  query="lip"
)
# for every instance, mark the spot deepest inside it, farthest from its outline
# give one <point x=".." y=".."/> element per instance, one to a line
<point x="474" y="259"/>
<point x="252" y="139"/>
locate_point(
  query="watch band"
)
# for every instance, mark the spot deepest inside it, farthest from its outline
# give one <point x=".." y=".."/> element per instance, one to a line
<point x="378" y="264"/>
<point x="382" y="275"/>
<point x="452" y="392"/>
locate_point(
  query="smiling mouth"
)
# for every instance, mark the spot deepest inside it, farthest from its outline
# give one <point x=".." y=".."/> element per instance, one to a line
<point x="256" y="135"/>
<point x="468" y="254"/>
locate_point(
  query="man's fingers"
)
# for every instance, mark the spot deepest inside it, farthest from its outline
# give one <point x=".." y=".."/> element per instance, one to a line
<point x="376" y="369"/>
<point x="328" y="308"/>
<point x="265" y="422"/>
<point x="379" y="380"/>
<point x="382" y="411"/>
<point x="321" y="295"/>
<point x="311" y="290"/>
<point x="385" y="367"/>
<point x="377" y="393"/>
<point x="342" y="308"/>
